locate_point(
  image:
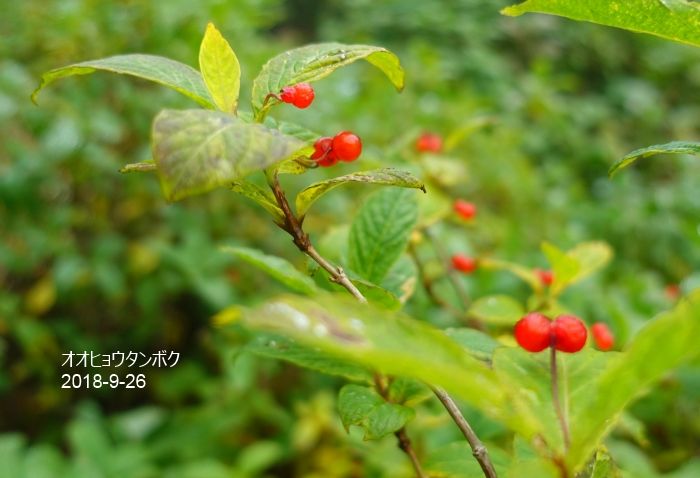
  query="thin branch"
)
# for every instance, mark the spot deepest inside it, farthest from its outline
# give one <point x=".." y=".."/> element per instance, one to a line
<point x="478" y="449"/>
<point x="555" y="397"/>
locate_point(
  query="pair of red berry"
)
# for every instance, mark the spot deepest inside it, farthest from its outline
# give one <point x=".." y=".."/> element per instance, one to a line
<point x="465" y="209"/>
<point x="464" y="263"/>
<point x="300" y="95"/>
<point x="429" y="143"/>
<point x="567" y="333"/>
<point x="344" y="146"/>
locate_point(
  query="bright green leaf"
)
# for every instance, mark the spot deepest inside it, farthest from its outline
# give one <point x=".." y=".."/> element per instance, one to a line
<point x="173" y="74"/>
<point x="388" y="342"/>
<point x="380" y="232"/>
<point x="478" y="344"/>
<point x="674" y="147"/>
<point x="663" y="344"/>
<point x="527" y="275"/>
<point x="497" y="309"/>
<point x="260" y="196"/>
<point x="282" y="348"/>
<point x="575" y="264"/>
<point x="363" y="407"/>
<point x="141" y="167"/>
<point x="220" y="69"/>
<point x="455" y="460"/>
<point x="386" y="177"/>
<point x="276" y="267"/>
<point x="646" y="16"/>
<point x="408" y="391"/>
<point x="198" y="150"/>
<point x="314" y="62"/>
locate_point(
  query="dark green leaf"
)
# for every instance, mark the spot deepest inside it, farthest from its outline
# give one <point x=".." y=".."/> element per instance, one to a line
<point x="314" y="62"/>
<point x="167" y="72"/>
<point x="408" y="391"/>
<point x="198" y="150"/>
<point x="275" y="267"/>
<point x="674" y="147"/>
<point x="680" y="23"/>
<point x="478" y="344"/>
<point x="380" y="232"/>
<point x="220" y="69"/>
<point x="387" y="177"/>
<point x="363" y="407"/>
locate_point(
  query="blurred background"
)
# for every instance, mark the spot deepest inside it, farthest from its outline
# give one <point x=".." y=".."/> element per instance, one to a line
<point x="98" y="261"/>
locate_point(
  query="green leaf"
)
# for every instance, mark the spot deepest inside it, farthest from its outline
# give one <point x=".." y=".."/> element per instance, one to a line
<point x="198" y="150"/>
<point x="603" y="466"/>
<point x="674" y="147"/>
<point x="276" y="267"/>
<point x="282" y="348"/>
<point x="314" y="62"/>
<point x="497" y="309"/>
<point x="646" y="16"/>
<point x="386" y="177"/>
<point x="455" y="460"/>
<point x="478" y="344"/>
<point x="388" y="342"/>
<point x="378" y="296"/>
<point x="260" y="196"/>
<point x="670" y="339"/>
<point x="408" y="391"/>
<point x="363" y="407"/>
<point x="525" y="274"/>
<point x="220" y="69"/>
<point x="173" y="74"/>
<point x="141" y="167"/>
<point x="380" y="232"/>
<point x="575" y="264"/>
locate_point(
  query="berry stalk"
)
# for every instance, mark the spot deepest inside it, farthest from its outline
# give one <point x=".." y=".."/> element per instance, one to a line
<point x="554" y="370"/>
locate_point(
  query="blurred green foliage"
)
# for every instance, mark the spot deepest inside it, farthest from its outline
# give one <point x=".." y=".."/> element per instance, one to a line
<point x="94" y="260"/>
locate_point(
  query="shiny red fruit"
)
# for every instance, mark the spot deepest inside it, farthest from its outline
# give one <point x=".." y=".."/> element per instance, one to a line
<point x="603" y="336"/>
<point x="347" y="146"/>
<point x="321" y="147"/>
<point x="465" y="209"/>
<point x="569" y="333"/>
<point x="546" y="276"/>
<point x="464" y="263"/>
<point x="429" y="142"/>
<point x="330" y="159"/>
<point x="533" y="332"/>
<point x="300" y="95"/>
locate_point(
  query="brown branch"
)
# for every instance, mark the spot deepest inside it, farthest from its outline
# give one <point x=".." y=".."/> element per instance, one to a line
<point x="478" y="449"/>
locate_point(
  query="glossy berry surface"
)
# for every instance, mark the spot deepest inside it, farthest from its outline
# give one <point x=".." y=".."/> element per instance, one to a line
<point x="569" y="333"/>
<point x="533" y="332"/>
<point x="321" y="147"/>
<point x="465" y="209"/>
<point x="603" y="336"/>
<point x="330" y="159"/>
<point x="347" y="146"/>
<point x="546" y="276"/>
<point x="429" y="143"/>
<point x="464" y="263"/>
<point x="300" y="95"/>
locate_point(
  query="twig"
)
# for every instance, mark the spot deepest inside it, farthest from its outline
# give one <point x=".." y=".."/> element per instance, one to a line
<point x="478" y="449"/>
<point x="555" y="397"/>
<point x="401" y="435"/>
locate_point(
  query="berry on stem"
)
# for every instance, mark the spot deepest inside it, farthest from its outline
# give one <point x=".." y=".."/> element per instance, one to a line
<point x="603" y="336"/>
<point x="464" y="263"/>
<point x="533" y="332"/>
<point x="465" y="209"/>
<point x="300" y="95"/>
<point x="429" y="142"/>
<point x="347" y="146"/>
<point x="568" y="333"/>
<point x="546" y="276"/>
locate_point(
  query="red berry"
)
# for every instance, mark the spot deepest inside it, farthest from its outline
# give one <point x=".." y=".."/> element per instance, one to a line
<point x="546" y="276"/>
<point x="429" y="142"/>
<point x="464" y="263"/>
<point x="300" y="95"/>
<point x="533" y="332"/>
<point x="330" y="159"/>
<point x="673" y="291"/>
<point x="603" y="336"/>
<point x="465" y="209"/>
<point x="304" y="95"/>
<point x="321" y="147"/>
<point x="569" y="333"/>
<point x="347" y="146"/>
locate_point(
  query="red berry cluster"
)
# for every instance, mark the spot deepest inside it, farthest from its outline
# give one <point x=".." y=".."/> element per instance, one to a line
<point x="429" y="143"/>
<point x="465" y="209"/>
<point x="464" y="263"/>
<point x="567" y="333"/>
<point x="344" y="146"/>
<point x="300" y="95"/>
